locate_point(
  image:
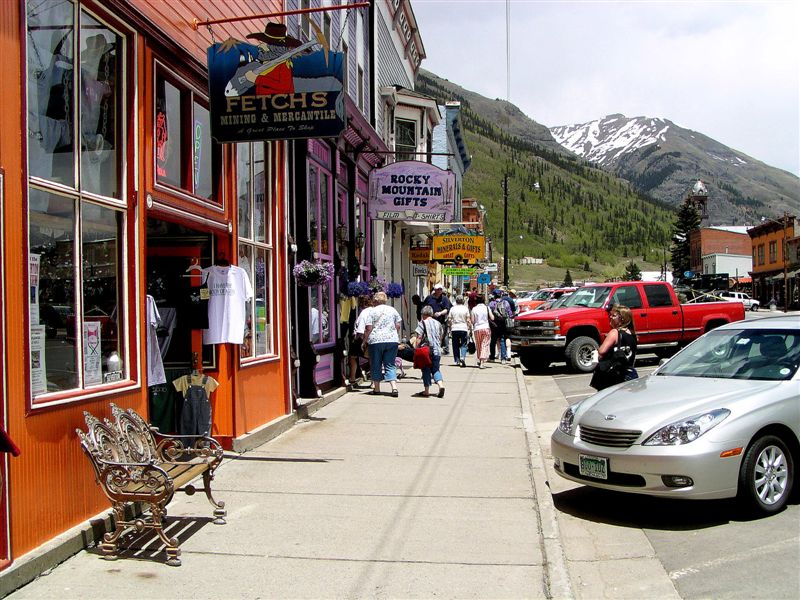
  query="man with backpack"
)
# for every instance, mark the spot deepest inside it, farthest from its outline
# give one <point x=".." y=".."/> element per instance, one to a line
<point x="501" y="311"/>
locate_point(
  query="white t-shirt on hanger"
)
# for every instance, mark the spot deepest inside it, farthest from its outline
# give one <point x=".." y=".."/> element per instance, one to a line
<point x="229" y="290"/>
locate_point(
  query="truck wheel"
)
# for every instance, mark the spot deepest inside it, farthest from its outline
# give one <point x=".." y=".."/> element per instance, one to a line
<point x="579" y="353"/>
<point x="534" y="362"/>
<point x="754" y="308"/>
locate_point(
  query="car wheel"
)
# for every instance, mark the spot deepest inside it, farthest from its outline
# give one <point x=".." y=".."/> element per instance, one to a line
<point x="754" y="308"/>
<point x="579" y="353"/>
<point x="766" y="475"/>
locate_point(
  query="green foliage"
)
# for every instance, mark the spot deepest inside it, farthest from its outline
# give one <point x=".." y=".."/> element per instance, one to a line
<point x="632" y="272"/>
<point x="687" y="220"/>
<point x="579" y="213"/>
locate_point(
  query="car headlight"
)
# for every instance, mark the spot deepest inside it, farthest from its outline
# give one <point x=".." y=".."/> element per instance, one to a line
<point x="550" y="323"/>
<point x="686" y="430"/>
<point x="567" y="420"/>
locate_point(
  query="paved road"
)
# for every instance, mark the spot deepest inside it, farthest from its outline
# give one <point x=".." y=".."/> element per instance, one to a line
<point x="707" y="549"/>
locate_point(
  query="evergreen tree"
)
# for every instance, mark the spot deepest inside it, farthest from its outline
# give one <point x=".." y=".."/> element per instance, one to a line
<point x="567" y="280"/>
<point x="688" y="219"/>
<point x="633" y="272"/>
<point x="586" y="266"/>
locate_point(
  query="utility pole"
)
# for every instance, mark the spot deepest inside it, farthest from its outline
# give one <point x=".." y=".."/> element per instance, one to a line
<point x="783" y="251"/>
<point x="505" y="229"/>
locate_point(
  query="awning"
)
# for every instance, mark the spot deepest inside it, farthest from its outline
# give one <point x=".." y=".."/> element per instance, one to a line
<point x="359" y="134"/>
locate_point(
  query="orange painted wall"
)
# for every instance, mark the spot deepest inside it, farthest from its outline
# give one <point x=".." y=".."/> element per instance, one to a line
<point x="52" y="486"/>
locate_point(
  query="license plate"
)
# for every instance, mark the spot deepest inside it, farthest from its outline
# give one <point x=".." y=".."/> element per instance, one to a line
<point x="595" y="467"/>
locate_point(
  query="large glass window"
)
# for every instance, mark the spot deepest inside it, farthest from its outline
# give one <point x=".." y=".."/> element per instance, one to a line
<point x="186" y="156"/>
<point x="254" y="193"/>
<point x="76" y="220"/>
<point x="405" y="145"/>
<point x="320" y="209"/>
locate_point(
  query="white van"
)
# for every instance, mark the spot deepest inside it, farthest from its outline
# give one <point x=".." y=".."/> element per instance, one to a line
<point x="749" y="303"/>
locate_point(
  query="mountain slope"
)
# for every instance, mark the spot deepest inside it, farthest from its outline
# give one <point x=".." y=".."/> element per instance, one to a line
<point x="663" y="160"/>
<point x="560" y="207"/>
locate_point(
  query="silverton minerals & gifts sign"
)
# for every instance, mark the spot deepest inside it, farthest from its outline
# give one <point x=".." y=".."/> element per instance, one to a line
<point x="410" y="190"/>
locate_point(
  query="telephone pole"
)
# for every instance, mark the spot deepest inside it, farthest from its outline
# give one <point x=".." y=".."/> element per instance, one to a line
<point x="505" y="229"/>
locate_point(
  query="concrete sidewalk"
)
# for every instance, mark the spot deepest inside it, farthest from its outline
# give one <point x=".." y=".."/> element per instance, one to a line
<point x="381" y="497"/>
<point x="371" y="497"/>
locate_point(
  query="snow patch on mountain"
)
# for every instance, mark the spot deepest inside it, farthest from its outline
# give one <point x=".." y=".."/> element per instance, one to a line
<point x="605" y="140"/>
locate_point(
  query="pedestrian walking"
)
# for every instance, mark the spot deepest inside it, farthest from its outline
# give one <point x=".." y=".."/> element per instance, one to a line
<point x="429" y="332"/>
<point x="460" y="323"/>
<point x="481" y="319"/>
<point x="501" y="310"/>
<point x="382" y="336"/>
<point x="440" y="304"/>
<point x="356" y="346"/>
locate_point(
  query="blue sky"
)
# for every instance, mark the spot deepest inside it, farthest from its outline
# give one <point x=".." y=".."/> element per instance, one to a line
<point x="728" y="69"/>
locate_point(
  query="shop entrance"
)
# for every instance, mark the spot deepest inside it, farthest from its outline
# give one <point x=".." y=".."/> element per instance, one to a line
<point x="175" y="257"/>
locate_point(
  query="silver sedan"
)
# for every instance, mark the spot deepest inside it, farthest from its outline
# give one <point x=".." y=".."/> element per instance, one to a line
<point x="720" y="419"/>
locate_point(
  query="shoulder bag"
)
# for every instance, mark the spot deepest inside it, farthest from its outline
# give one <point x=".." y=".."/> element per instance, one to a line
<point x="422" y="353"/>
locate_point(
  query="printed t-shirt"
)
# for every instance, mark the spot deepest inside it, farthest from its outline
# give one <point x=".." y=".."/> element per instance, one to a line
<point x="433" y="329"/>
<point x="155" y="364"/>
<point x="229" y="290"/>
<point x="384" y="319"/>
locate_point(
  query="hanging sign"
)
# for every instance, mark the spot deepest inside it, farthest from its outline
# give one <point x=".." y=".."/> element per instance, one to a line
<point x="490" y="267"/>
<point x="419" y="270"/>
<point x="92" y="360"/>
<point x="459" y="247"/>
<point x="411" y="190"/>
<point x="458" y="271"/>
<point x="420" y="254"/>
<point x="275" y="87"/>
<point x="484" y="278"/>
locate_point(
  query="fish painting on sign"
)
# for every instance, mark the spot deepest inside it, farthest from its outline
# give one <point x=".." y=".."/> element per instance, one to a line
<point x="274" y="86"/>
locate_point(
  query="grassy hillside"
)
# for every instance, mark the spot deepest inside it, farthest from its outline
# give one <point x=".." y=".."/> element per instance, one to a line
<point x="578" y="214"/>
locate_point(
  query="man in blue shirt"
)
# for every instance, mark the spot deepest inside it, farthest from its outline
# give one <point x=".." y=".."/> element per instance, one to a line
<point x="441" y="306"/>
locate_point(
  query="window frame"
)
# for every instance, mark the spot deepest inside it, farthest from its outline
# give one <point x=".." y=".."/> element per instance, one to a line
<point x="316" y="241"/>
<point x="190" y="95"/>
<point x="267" y="246"/>
<point x="127" y="347"/>
<point x="773" y="251"/>
<point x="404" y="154"/>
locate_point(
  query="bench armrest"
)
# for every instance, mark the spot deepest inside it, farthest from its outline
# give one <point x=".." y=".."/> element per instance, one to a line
<point x="171" y="448"/>
<point x="133" y="482"/>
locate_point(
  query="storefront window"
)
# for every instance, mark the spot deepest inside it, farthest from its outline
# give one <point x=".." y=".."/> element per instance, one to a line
<point x="76" y="224"/>
<point x="186" y="157"/>
<point x="320" y="210"/>
<point x="255" y="248"/>
<point x="58" y="93"/>
<point x="405" y="139"/>
<point x="319" y="318"/>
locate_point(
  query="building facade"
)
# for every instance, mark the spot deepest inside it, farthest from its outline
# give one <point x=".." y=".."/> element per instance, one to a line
<point x="775" y="273"/>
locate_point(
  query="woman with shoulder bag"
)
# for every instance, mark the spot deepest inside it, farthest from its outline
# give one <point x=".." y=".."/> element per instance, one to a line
<point x="617" y="353"/>
<point x="429" y="334"/>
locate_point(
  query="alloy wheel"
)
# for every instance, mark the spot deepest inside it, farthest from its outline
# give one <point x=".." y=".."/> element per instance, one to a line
<point x="770" y="475"/>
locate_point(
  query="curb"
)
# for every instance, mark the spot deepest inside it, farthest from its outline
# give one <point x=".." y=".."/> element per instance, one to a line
<point x="557" y="581"/>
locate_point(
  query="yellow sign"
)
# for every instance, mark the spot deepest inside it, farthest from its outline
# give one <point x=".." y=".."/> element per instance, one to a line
<point x="420" y="254"/>
<point x="459" y="247"/>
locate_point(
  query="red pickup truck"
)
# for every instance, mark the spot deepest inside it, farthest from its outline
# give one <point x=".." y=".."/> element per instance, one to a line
<point x="577" y="328"/>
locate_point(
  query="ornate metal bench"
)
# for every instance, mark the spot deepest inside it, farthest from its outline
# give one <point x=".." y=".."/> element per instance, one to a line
<point x="133" y="462"/>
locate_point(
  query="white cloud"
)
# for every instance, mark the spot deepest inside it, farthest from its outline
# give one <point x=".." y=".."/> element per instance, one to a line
<point x="728" y="69"/>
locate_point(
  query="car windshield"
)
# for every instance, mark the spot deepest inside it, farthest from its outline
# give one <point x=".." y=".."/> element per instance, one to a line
<point x="541" y="295"/>
<point x="767" y="354"/>
<point x="593" y="297"/>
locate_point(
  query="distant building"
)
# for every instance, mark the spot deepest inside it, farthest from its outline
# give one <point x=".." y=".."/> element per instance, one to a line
<point x="772" y="258"/>
<point x="716" y="239"/>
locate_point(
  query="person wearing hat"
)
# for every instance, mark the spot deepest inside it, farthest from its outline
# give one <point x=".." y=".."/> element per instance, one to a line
<point x="441" y="306"/>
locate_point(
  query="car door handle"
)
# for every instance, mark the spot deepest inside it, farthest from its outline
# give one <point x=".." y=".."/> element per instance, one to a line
<point x="642" y="314"/>
<point x="674" y="312"/>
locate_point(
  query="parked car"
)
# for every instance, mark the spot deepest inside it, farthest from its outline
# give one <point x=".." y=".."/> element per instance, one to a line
<point x="749" y="303"/>
<point x="574" y="331"/>
<point x="543" y="295"/>
<point x="557" y="303"/>
<point x="720" y="419"/>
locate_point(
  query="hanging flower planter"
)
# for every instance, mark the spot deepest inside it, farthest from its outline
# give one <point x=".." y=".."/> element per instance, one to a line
<point x="356" y="289"/>
<point x="308" y="273"/>
<point x="394" y="290"/>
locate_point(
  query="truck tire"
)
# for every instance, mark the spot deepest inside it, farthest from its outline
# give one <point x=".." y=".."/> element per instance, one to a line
<point x="535" y="362"/>
<point x="579" y="353"/>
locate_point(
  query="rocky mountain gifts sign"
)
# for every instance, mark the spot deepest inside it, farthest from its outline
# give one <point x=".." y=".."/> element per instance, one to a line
<point x="410" y="190"/>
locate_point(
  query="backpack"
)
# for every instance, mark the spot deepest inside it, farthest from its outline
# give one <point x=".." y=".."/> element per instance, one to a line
<point x="502" y="313"/>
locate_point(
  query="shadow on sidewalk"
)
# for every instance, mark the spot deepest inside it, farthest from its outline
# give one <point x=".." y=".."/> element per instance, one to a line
<point x="147" y="546"/>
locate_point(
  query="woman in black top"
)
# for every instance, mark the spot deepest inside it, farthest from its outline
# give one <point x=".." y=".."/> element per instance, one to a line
<point x="619" y="348"/>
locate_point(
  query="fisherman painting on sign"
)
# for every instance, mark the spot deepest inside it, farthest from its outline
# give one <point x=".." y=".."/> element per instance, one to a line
<point x="269" y="67"/>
